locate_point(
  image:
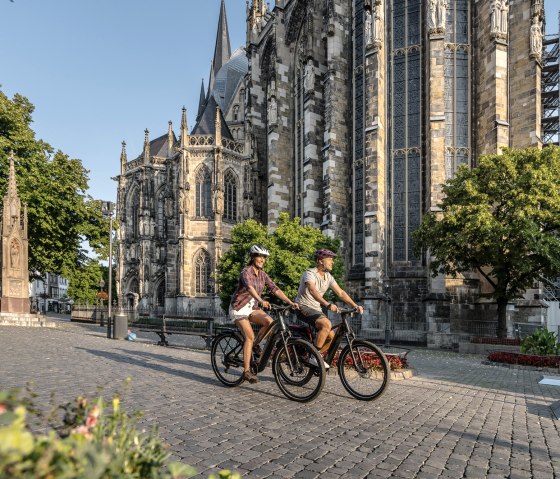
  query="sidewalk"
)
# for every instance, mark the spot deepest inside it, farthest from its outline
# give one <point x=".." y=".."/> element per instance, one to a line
<point x="455" y="418"/>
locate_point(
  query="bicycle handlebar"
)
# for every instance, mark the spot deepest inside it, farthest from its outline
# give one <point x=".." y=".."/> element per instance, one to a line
<point x="275" y="307"/>
<point x="347" y="310"/>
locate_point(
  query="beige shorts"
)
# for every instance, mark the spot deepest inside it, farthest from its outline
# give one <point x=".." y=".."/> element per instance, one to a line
<point x="242" y="313"/>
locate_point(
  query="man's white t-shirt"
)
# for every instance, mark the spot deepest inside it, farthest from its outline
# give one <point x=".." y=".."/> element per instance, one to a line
<point x="321" y="283"/>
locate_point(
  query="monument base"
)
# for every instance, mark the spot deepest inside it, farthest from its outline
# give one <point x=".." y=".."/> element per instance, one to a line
<point x="25" y="319"/>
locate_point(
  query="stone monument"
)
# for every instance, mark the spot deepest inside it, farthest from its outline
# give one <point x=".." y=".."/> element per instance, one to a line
<point x="14" y="296"/>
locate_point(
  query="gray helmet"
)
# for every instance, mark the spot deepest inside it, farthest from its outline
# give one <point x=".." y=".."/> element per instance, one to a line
<point x="258" y="250"/>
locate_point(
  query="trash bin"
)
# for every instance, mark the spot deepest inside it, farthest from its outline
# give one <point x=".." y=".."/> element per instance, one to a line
<point x="120" y="325"/>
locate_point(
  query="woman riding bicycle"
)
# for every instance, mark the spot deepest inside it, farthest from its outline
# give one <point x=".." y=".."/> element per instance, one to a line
<point x="313" y="307"/>
<point x="246" y="303"/>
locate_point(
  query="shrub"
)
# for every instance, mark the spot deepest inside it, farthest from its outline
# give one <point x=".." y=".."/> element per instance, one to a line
<point x="541" y="342"/>
<point x="89" y="439"/>
<point x="524" y="359"/>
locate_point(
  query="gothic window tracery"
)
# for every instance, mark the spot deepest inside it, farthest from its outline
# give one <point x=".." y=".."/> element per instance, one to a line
<point x="299" y="137"/>
<point x="358" y="165"/>
<point x="133" y="208"/>
<point x="406" y="100"/>
<point x="203" y="271"/>
<point x="456" y="78"/>
<point x="161" y="229"/>
<point x="235" y="112"/>
<point x="230" y="196"/>
<point x="203" y="193"/>
<point x="160" y="294"/>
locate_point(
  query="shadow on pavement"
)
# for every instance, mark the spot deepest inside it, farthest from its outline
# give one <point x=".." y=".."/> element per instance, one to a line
<point x="122" y="358"/>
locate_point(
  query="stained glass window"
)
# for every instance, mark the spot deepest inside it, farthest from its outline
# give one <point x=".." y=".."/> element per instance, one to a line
<point x="203" y="270"/>
<point x="203" y="193"/>
<point x="230" y="196"/>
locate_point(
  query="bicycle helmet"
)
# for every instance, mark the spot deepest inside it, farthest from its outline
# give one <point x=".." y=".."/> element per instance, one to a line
<point x="324" y="253"/>
<point x="258" y="250"/>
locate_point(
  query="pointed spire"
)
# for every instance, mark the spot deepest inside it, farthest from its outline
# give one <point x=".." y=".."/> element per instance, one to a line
<point x="218" y="135"/>
<point x="201" y="101"/>
<point x="124" y="159"/>
<point x="222" y="50"/>
<point x="170" y="138"/>
<point x="146" y="146"/>
<point x="12" y="186"/>
<point x="184" y="129"/>
<point x="210" y="81"/>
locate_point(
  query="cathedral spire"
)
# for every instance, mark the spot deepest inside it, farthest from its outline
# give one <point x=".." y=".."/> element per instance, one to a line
<point x="123" y="157"/>
<point x="184" y="129"/>
<point x="222" y="50"/>
<point x="201" y="101"/>
<point x="257" y="13"/>
<point x="146" y="146"/>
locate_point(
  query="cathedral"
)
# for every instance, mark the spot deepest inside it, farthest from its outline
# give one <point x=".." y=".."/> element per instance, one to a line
<point x="349" y="114"/>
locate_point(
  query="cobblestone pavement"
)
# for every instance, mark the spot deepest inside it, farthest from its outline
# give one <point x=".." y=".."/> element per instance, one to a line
<point x="455" y="418"/>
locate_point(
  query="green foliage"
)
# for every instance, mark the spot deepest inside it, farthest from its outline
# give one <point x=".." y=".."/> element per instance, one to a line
<point x="94" y="440"/>
<point x="501" y="219"/>
<point x="541" y="342"/>
<point x="291" y="247"/>
<point x="84" y="286"/>
<point x="61" y="216"/>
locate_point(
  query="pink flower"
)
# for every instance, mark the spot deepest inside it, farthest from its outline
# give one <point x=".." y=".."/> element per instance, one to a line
<point x="3" y="408"/>
<point x="91" y="419"/>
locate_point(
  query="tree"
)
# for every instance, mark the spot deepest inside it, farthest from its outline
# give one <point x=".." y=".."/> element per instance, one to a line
<point x="62" y="217"/>
<point x="500" y="219"/>
<point x="291" y="249"/>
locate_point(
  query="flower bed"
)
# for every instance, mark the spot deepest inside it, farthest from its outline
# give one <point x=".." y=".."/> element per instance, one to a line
<point x="493" y="340"/>
<point x="396" y="361"/>
<point x="524" y="359"/>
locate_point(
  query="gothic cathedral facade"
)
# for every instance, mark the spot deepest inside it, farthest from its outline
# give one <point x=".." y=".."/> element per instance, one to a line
<point x="350" y="114"/>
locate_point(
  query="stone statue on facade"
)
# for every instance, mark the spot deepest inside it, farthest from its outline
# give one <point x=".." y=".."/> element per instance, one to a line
<point x="536" y="38"/>
<point x="272" y="111"/>
<point x="378" y="23"/>
<point x="504" y="17"/>
<point x="436" y="17"/>
<point x="309" y="76"/>
<point x="368" y="29"/>
<point x="496" y="16"/>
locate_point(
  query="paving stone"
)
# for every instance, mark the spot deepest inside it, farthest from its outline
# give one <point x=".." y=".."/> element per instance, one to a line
<point x="454" y="417"/>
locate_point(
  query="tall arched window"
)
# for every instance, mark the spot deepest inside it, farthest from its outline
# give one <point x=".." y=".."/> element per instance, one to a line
<point x="160" y="294"/>
<point x="161" y="227"/>
<point x="203" y="193"/>
<point x="202" y="271"/>
<point x="230" y="196"/>
<point x="236" y="113"/>
<point x="134" y="213"/>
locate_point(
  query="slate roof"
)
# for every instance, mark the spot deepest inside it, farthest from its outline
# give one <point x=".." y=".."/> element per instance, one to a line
<point x="206" y="124"/>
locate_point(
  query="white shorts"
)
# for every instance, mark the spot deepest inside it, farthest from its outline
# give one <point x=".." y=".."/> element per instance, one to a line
<point x="243" y="313"/>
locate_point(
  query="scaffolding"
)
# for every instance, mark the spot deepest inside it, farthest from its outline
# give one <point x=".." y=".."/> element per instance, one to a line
<point x="551" y="89"/>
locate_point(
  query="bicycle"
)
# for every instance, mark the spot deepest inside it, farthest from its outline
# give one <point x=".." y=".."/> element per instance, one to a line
<point x="297" y="366"/>
<point x="363" y="368"/>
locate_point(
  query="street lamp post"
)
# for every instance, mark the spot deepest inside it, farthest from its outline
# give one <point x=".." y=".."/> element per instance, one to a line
<point x="387" y="294"/>
<point x="100" y="296"/>
<point x="107" y="209"/>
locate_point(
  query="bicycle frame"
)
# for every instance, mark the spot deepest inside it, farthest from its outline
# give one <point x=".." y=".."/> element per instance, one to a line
<point x="278" y="331"/>
<point x="343" y="329"/>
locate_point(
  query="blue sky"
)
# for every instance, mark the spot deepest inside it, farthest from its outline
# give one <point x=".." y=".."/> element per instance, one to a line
<point x="101" y="71"/>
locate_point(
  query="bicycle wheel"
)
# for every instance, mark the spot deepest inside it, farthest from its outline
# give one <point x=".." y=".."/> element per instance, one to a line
<point x="226" y="356"/>
<point x="298" y="370"/>
<point x="364" y="370"/>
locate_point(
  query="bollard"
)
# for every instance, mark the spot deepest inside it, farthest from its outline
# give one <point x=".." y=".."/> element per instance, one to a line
<point x="109" y="327"/>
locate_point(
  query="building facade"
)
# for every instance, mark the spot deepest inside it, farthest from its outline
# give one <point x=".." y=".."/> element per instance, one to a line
<point x="353" y="114"/>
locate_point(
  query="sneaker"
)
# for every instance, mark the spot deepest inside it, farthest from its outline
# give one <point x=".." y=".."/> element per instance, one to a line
<point x="249" y="376"/>
<point x="313" y="362"/>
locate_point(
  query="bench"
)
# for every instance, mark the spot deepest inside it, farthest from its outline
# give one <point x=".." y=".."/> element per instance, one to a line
<point x="552" y="381"/>
<point x="167" y="325"/>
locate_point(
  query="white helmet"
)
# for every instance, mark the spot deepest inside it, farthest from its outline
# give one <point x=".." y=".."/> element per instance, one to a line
<point x="258" y="250"/>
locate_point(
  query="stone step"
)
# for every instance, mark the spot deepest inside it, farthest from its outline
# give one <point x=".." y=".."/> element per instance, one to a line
<point x="27" y="322"/>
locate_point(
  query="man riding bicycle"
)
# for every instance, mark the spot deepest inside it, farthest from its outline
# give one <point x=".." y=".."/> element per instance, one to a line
<point x="246" y="303"/>
<point x="312" y="306"/>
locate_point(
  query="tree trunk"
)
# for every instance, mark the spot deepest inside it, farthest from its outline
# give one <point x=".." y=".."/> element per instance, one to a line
<point x="502" y="317"/>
